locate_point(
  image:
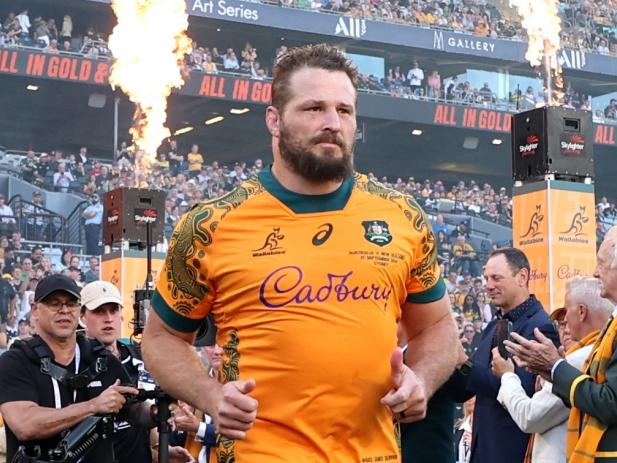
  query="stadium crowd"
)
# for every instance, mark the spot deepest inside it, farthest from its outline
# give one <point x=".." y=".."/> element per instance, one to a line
<point x="188" y="179"/>
<point x="587" y="25"/>
<point x="415" y="82"/>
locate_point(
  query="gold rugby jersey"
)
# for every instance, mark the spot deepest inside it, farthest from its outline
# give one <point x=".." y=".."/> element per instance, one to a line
<point x="306" y="292"/>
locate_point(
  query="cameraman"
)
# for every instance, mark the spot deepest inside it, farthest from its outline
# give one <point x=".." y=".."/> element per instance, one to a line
<point x="52" y="382"/>
<point x="101" y="315"/>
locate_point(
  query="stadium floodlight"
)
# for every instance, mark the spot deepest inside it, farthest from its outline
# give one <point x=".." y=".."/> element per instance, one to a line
<point x="239" y="111"/>
<point x="497" y="141"/>
<point x="471" y="143"/>
<point x="214" y="120"/>
<point x="416" y="132"/>
<point x="183" y="130"/>
<point x="32" y="88"/>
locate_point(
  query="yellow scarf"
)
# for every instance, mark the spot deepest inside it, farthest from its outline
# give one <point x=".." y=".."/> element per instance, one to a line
<point x="584" y="431"/>
<point x="586" y="341"/>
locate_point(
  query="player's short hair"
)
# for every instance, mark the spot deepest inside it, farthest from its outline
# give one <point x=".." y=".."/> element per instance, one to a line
<point x="320" y="56"/>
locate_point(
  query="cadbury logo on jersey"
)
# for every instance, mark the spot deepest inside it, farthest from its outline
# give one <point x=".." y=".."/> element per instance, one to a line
<point x="286" y="285"/>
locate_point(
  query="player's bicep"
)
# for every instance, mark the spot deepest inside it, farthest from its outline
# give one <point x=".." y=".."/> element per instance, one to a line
<point x="157" y="328"/>
<point x="418" y="316"/>
<point x="184" y="292"/>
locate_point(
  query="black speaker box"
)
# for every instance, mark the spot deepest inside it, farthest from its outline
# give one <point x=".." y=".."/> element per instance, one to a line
<point x="127" y="211"/>
<point x="552" y="140"/>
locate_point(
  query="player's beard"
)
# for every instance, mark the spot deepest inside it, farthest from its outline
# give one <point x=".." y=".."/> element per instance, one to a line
<point x="316" y="168"/>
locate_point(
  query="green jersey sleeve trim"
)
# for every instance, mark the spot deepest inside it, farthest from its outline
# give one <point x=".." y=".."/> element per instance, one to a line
<point x="429" y="295"/>
<point x="172" y="318"/>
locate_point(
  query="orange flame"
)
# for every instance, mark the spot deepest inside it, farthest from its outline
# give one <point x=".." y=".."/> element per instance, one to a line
<point x="543" y="25"/>
<point x="148" y="45"/>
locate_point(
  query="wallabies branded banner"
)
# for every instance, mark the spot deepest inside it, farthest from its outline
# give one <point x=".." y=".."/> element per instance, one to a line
<point x="554" y="224"/>
<point x="127" y="269"/>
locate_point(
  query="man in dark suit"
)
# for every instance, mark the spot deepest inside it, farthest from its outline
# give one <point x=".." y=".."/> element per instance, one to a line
<point x="495" y="436"/>
<point x="591" y="394"/>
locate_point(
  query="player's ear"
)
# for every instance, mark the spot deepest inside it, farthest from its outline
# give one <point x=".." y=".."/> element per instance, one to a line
<point x="273" y="121"/>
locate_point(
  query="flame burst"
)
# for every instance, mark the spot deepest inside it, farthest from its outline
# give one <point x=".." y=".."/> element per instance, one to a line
<point x="148" y="45"/>
<point x="543" y="25"/>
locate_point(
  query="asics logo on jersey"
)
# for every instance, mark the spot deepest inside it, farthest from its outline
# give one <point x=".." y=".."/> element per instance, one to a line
<point x="286" y="285"/>
<point x="323" y="234"/>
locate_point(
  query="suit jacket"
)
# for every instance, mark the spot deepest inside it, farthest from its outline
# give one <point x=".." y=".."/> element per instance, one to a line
<point x="496" y="437"/>
<point x="598" y="400"/>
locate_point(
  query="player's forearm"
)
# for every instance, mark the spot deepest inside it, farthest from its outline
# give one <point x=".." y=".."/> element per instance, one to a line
<point x="432" y="354"/>
<point x="177" y="369"/>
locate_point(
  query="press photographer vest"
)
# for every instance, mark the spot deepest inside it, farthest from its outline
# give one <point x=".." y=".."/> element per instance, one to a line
<point x="88" y="352"/>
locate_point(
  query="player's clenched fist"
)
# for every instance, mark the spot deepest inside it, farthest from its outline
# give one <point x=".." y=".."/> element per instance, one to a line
<point x="235" y="410"/>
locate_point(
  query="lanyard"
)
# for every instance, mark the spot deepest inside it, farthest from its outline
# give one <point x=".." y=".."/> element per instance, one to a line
<point x="54" y="381"/>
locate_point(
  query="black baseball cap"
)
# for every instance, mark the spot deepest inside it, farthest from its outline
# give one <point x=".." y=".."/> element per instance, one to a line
<point x="52" y="283"/>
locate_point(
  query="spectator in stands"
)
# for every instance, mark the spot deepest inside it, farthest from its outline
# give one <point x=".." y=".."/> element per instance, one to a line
<point x="27" y="166"/>
<point x="24" y="23"/>
<point x="461" y="229"/>
<point x="602" y="47"/>
<point x="35" y="221"/>
<point x="8" y="299"/>
<point x="444" y="249"/>
<point x="93" y="215"/>
<point x="83" y="156"/>
<point x="12" y="30"/>
<point x="529" y="99"/>
<point x="482" y="29"/>
<point x="491" y="213"/>
<point x="41" y="32"/>
<point x="75" y="274"/>
<point x="43" y="167"/>
<point x="415" y="77"/>
<point x="434" y="85"/>
<point x="249" y="54"/>
<point x="67" y="29"/>
<point x="610" y="112"/>
<point x="439" y="224"/>
<point x="6" y="213"/>
<point x="195" y="161"/>
<point x="53" y="30"/>
<point x="93" y="273"/>
<point x="467" y="338"/>
<point x="486" y="93"/>
<point x="463" y="433"/>
<point x="36" y="255"/>
<point x="63" y="179"/>
<point x="66" y="47"/>
<point x="209" y="65"/>
<point x="230" y="61"/>
<point x="52" y="47"/>
<point x="176" y="161"/>
<point x="24" y="331"/>
<point x="450" y="87"/>
<point x="471" y="310"/>
<point x="465" y="257"/>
